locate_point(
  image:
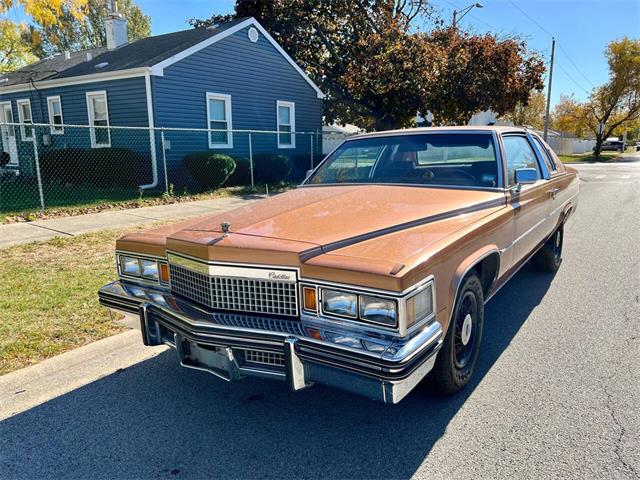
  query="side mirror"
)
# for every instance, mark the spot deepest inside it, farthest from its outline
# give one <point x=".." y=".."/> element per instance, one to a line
<point x="309" y="172"/>
<point x="526" y="176"/>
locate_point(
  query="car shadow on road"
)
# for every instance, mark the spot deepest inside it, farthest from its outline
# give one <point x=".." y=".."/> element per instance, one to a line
<point x="156" y="419"/>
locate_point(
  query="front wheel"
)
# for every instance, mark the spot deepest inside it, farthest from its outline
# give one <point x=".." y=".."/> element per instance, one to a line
<point x="457" y="358"/>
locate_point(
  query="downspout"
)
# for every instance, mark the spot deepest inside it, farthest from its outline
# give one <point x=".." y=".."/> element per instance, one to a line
<point x="152" y="141"/>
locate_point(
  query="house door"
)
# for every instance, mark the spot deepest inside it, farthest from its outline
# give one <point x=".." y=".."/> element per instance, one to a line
<point x="8" y="133"/>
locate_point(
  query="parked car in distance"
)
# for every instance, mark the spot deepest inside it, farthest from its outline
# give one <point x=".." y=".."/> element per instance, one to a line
<point x="612" y="146"/>
<point x="637" y="146"/>
<point x="371" y="276"/>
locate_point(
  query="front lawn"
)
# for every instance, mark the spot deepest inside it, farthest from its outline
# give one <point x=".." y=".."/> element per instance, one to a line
<point x="49" y="299"/>
<point x="588" y="157"/>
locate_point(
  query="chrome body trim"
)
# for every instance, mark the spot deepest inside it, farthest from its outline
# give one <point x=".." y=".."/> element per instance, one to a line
<point x="216" y="269"/>
<point x="382" y="368"/>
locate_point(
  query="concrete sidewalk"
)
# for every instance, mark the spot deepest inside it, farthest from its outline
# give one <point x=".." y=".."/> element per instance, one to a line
<point x="17" y="233"/>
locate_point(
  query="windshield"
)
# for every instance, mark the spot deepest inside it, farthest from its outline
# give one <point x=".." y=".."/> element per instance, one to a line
<point x="465" y="160"/>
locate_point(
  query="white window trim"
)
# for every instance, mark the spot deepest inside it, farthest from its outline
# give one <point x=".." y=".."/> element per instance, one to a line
<point x="227" y="114"/>
<point x="292" y="118"/>
<point x="54" y="131"/>
<point x="23" y="133"/>
<point x="17" y="160"/>
<point x="90" y="118"/>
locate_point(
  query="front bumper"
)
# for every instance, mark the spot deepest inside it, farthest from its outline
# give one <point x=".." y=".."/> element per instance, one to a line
<point x="300" y="352"/>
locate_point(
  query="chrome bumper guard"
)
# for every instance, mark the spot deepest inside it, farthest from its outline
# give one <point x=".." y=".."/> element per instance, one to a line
<point x="232" y="346"/>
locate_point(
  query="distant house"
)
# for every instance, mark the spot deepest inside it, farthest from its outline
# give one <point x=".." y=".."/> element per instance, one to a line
<point x="229" y="76"/>
<point x="334" y="134"/>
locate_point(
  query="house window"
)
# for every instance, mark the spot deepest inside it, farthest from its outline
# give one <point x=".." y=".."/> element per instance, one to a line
<point x="219" y="120"/>
<point x="54" y="105"/>
<point x="98" y="118"/>
<point x="286" y="124"/>
<point x="25" y="118"/>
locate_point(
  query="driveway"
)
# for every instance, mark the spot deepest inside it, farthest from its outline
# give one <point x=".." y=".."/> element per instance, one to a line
<point x="555" y="395"/>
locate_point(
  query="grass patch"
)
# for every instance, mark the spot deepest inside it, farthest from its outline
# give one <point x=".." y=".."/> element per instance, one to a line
<point x="117" y="199"/>
<point x="588" y="157"/>
<point x="49" y="302"/>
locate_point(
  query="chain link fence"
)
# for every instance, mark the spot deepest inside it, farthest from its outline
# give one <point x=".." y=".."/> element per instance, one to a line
<point x="44" y="166"/>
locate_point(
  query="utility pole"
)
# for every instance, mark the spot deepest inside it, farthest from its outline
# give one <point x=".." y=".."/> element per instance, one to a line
<point x="546" y="116"/>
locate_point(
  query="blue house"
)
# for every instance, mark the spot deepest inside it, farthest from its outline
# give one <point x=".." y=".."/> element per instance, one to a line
<point x="227" y="77"/>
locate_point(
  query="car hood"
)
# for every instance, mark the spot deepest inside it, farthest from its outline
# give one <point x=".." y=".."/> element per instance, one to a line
<point x="305" y="223"/>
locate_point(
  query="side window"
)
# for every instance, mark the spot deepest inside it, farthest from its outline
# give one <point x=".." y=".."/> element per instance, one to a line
<point x="351" y="164"/>
<point x="545" y="155"/>
<point x="519" y="154"/>
<point x="286" y="113"/>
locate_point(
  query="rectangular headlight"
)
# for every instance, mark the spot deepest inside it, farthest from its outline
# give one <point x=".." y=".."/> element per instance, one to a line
<point x="339" y="303"/>
<point x="149" y="269"/>
<point x="420" y="306"/>
<point x="129" y="266"/>
<point x="378" y="310"/>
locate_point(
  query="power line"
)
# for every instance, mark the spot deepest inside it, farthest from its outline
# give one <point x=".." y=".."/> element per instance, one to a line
<point x="576" y="67"/>
<point x="536" y="23"/>
<point x="564" y="70"/>
<point x="530" y="18"/>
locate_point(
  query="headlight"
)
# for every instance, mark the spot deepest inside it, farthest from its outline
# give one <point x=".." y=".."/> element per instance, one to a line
<point x="378" y="310"/>
<point x="130" y="266"/>
<point x="420" y="306"/>
<point x="339" y="303"/>
<point x="149" y="269"/>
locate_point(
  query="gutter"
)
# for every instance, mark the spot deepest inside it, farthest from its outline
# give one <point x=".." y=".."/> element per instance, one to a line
<point x="152" y="142"/>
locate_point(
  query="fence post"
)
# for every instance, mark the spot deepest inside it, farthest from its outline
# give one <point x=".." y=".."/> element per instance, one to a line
<point x="39" y="177"/>
<point x="311" y="137"/>
<point x="251" y="159"/>
<point x="164" y="161"/>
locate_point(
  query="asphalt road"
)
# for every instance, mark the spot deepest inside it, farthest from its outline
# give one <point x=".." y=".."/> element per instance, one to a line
<point x="556" y="393"/>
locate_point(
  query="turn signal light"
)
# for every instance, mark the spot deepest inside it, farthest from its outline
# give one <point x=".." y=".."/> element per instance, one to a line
<point x="164" y="272"/>
<point x="310" y="301"/>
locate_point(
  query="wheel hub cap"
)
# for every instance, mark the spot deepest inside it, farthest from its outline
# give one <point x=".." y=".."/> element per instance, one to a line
<point x="466" y="329"/>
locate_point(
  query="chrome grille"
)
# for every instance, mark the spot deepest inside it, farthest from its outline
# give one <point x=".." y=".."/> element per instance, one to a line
<point x="237" y="294"/>
<point x="264" y="358"/>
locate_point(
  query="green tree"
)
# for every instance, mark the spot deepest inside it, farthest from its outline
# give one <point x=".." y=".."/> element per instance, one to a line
<point x="45" y="12"/>
<point x="570" y="115"/>
<point x="378" y="69"/>
<point x="481" y="72"/>
<point x="75" y="33"/>
<point x="531" y="114"/>
<point x="16" y="48"/>
<point x="616" y="104"/>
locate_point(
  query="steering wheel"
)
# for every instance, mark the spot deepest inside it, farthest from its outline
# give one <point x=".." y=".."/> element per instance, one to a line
<point x="428" y="174"/>
<point x="456" y="171"/>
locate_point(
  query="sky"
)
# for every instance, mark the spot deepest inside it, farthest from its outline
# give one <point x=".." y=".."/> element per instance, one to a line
<point x="582" y="29"/>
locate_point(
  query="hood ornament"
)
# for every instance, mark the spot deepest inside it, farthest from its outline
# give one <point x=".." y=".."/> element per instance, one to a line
<point x="225" y="228"/>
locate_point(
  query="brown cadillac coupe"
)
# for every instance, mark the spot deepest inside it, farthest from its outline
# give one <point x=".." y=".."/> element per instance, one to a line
<point x="371" y="276"/>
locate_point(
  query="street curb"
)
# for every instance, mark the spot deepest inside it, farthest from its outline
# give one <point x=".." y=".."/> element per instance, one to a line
<point x="51" y="378"/>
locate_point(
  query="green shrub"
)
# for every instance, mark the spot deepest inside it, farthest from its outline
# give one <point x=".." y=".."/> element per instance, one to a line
<point x="101" y="167"/>
<point x="5" y="158"/>
<point x="271" y="168"/>
<point x="210" y="170"/>
<point x="241" y="176"/>
<point x="301" y="163"/>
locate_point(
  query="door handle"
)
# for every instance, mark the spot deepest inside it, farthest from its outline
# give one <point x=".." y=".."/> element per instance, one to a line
<point x="553" y="192"/>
